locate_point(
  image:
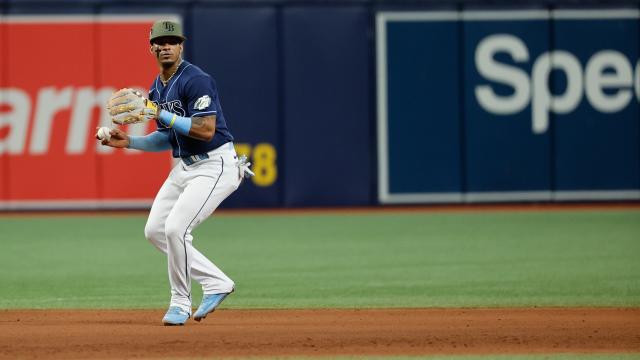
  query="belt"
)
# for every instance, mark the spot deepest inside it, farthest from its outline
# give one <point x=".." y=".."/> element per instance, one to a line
<point x="190" y="160"/>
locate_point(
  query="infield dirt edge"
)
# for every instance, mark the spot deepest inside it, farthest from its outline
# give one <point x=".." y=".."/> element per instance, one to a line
<point x="116" y="334"/>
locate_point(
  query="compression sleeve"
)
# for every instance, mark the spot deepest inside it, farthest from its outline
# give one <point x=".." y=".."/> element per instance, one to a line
<point x="181" y="124"/>
<point x="156" y="141"/>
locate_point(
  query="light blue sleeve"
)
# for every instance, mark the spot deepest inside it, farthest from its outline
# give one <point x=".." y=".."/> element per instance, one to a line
<point x="156" y="141"/>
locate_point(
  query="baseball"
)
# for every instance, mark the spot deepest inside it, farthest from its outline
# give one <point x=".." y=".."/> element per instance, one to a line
<point x="104" y="133"/>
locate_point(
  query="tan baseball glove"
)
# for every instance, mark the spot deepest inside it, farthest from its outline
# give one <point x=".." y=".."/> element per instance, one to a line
<point x="127" y="106"/>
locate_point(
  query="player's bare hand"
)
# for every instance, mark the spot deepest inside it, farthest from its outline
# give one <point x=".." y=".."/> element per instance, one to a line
<point x="118" y="138"/>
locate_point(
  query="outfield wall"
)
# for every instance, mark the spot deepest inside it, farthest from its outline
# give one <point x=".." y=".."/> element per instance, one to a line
<point x="336" y="103"/>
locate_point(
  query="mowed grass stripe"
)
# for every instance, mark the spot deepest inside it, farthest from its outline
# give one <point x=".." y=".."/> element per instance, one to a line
<point x="558" y="258"/>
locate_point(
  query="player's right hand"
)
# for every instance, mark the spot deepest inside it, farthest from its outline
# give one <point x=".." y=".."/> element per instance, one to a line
<point x="119" y="139"/>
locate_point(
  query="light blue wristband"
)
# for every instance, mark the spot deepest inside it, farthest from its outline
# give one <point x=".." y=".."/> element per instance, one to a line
<point x="181" y="124"/>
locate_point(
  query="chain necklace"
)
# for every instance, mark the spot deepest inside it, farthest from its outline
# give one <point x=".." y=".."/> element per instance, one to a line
<point x="165" y="82"/>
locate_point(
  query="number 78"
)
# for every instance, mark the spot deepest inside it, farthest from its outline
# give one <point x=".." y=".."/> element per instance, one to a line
<point x="263" y="161"/>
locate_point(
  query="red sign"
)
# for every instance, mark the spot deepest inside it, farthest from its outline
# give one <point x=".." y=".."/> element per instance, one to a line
<point x="55" y="77"/>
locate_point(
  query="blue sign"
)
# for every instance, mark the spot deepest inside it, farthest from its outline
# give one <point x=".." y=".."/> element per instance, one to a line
<point x="508" y="105"/>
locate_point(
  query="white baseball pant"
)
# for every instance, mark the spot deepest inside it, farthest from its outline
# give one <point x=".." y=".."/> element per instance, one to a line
<point x="190" y="195"/>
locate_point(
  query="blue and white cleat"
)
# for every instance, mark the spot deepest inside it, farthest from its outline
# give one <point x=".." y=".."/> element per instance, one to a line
<point x="209" y="304"/>
<point x="175" y="316"/>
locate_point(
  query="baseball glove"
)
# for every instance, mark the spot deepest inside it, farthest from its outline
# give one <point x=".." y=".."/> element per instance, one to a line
<point x="127" y="106"/>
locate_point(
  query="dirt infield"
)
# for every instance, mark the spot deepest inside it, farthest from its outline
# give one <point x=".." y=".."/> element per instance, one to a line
<point x="115" y="334"/>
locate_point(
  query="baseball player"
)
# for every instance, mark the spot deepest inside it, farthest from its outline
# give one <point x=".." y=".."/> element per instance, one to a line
<point x="183" y="100"/>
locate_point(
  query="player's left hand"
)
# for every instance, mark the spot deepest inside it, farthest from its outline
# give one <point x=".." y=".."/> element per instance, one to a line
<point x="127" y="106"/>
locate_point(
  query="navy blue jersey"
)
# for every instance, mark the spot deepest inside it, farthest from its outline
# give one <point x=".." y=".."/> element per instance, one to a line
<point x="190" y="92"/>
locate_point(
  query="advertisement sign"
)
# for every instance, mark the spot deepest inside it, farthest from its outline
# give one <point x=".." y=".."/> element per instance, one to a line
<point x="57" y="73"/>
<point x="546" y="104"/>
<point x="503" y="152"/>
<point x="597" y="132"/>
<point x="419" y="128"/>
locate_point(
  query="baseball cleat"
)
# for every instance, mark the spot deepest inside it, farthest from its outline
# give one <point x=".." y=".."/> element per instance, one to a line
<point x="175" y="316"/>
<point x="209" y="304"/>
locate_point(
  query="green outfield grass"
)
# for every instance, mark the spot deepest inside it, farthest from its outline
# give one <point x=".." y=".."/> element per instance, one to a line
<point x="429" y="259"/>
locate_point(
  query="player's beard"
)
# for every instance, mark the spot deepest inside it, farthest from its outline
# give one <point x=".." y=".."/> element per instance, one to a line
<point x="167" y="65"/>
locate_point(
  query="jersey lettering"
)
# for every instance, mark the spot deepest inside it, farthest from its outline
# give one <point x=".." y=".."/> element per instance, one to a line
<point x="174" y="106"/>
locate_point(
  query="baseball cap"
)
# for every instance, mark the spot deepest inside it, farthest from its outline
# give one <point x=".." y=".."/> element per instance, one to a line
<point x="162" y="28"/>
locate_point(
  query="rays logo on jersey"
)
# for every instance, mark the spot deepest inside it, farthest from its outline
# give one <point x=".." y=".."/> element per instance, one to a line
<point x="202" y="103"/>
<point x="174" y="106"/>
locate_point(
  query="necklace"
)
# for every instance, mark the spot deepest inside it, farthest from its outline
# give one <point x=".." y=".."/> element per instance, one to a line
<point x="165" y="82"/>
